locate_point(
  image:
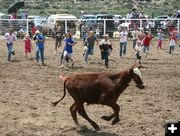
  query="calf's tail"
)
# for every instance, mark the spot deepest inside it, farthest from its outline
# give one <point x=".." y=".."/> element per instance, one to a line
<point x="56" y="102"/>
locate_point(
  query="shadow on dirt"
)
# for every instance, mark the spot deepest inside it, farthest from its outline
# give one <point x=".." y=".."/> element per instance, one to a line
<point x="84" y="131"/>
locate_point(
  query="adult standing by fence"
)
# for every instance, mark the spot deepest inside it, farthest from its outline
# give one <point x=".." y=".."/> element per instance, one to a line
<point x="123" y="42"/>
<point x="10" y="38"/>
<point x="39" y="46"/>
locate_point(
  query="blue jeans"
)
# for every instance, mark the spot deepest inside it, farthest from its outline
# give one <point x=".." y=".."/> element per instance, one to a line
<point x="171" y="48"/>
<point x="146" y="49"/>
<point x="88" y="52"/>
<point x="122" y="48"/>
<point x="10" y="47"/>
<point x="105" y="56"/>
<point x="40" y="50"/>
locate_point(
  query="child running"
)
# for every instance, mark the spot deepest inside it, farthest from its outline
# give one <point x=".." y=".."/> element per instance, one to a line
<point x="10" y="38"/>
<point x="27" y="45"/>
<point x="138" y="48"/>
<point x="172" y="41"/>
<point x="68" y="49"/>
<point x="90" y="41"/>
<point x="160" y="36"/>
<point x="105" y="47"/>
<point x="146" y="43"/>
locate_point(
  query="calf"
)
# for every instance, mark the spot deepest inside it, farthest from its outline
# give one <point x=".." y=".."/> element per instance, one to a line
<point x="99" y="88"/>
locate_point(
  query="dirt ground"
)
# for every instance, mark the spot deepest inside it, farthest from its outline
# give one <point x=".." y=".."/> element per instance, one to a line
<point x="27" y="90"/>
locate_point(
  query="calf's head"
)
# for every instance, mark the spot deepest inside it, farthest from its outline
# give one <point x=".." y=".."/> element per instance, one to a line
<point x="136" y="76"/>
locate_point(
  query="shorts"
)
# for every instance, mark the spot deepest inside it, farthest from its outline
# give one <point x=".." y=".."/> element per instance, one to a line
<point x="138" y="55"/>
<point x="69" y="55"/>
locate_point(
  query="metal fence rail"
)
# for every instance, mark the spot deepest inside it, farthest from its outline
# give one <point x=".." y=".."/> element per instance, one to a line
<point x="78" y="26"/>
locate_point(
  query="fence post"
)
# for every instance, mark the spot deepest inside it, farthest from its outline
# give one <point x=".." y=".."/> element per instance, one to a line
<point x="27" y="25"/>
<point x="178" y="25"/>
<point x="140" y="24"/>
<point x="65" y="26"/>
<point x="104" y="27"/>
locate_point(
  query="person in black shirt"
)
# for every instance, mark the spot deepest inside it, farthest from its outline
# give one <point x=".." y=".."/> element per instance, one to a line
<point x="105" y="47"/>
<point x="59" y="37"/>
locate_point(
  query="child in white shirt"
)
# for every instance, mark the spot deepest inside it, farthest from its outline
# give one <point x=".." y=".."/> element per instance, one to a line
<point x="138" y="51"/>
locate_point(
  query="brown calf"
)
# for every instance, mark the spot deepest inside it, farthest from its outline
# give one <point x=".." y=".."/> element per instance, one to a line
<point x="99" y="88"/>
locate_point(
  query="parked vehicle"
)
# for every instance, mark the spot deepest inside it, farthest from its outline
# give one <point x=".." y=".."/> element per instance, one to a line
<point x="97" y="21"/>
<point x="117" y="20"/>
<point x="59" y="20"/>
<point x="110" y="24"/>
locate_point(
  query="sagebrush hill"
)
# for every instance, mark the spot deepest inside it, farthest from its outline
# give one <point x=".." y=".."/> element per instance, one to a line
<point x="122" y="7"/>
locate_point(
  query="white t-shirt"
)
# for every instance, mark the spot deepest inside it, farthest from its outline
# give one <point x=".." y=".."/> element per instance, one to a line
<point x="135" y="34"/>
<point x="139" y="49"/>
<point x="10" y="38"/>
<point x="123" y="36"/>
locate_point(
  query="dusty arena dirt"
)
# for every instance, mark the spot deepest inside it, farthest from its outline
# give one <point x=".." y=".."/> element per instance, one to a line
<point x="27" y="90"/>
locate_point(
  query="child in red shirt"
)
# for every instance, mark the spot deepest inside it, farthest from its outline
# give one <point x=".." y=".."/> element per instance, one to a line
<point x="147" y="42"/>
<point x="27" y="45"/>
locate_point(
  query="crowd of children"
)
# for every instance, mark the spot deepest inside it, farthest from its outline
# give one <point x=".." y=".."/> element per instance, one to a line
<point x="141" y="44"/>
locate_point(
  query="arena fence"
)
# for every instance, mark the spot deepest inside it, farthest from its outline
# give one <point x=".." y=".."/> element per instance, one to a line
<point x="79" y="27"/>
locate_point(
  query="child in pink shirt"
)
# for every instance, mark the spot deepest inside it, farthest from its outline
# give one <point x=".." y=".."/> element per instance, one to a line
<point x="27" y="45"/>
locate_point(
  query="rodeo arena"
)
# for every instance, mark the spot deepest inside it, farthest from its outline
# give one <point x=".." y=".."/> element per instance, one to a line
<point x="97" y="75"/>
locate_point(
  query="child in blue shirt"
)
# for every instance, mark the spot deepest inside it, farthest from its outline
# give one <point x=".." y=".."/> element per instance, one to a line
<point x="68" y="49"/>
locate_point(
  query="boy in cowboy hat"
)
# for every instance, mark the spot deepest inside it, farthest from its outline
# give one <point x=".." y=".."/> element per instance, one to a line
<point x="39" y="46"/>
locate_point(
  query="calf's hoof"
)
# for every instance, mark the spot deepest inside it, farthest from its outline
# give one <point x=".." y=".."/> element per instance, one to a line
<point x="96" y="127"/>
<point x="115" y="120"/>
<point x="107" y="118"/>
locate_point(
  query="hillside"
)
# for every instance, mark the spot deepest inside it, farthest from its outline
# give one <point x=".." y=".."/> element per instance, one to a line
<point x="47" y="7"/>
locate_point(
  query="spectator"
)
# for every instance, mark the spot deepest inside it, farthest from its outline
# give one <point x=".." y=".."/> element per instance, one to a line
<point x="23" y="15"/>
<point x="13" y="15"/>
<point x="97" y="32"/>
<point x="178" y="37"/>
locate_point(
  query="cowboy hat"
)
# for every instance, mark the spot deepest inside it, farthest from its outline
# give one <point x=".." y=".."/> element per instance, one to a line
<point x="37" y="32"/>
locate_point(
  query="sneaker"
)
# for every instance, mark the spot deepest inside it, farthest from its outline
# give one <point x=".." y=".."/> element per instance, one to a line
<point x="13" y="52"/>
<point x="85" y="62"/>
<point x="73" y="64"/>
<point x="62" y="66"/>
